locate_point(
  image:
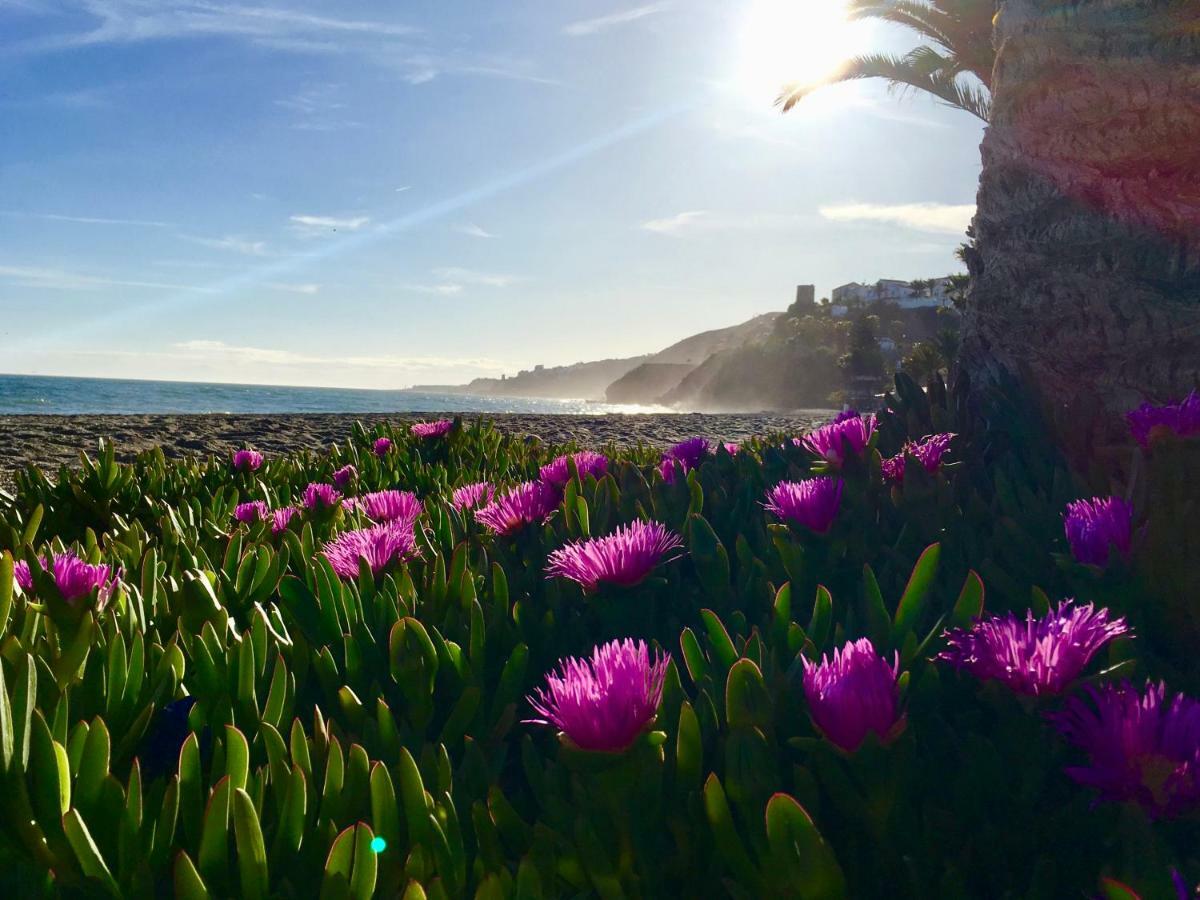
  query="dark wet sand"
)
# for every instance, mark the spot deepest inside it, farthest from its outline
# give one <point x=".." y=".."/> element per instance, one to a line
<point x="50" y="441"/>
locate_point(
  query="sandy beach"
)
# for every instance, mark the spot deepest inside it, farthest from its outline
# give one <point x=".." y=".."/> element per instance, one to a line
<point x="51" y="441"/>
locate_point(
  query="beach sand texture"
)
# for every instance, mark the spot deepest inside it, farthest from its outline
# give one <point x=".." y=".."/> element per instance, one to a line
<point x="51" y="441"/>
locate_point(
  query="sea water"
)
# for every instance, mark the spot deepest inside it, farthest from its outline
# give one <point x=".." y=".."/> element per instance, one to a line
<point x="46" y="395"/>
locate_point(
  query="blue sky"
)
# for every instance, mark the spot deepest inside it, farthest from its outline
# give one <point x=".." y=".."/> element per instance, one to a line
<point x="372" y="194"/>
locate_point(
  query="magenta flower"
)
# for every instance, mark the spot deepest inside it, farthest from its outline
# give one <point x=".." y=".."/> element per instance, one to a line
<point x="624" y="557"/>
<point x="813" y="502"/>
<point x="282" y="518"/>
<point x="1143" y="749"/>
<point x="587" y="463"/>
<point x="1094" y="526"/>
<point x="845" y="414"/>
<point x="380" y="545"/>
<point x="603" y="703"/>
<point x="1182" y="419"/>
<point x="247" y="461"/>
<point x="732" y="447"/>
<point x="392" y="506"/>
<point x="847" y="435"/>
<point x="382" y="447"/>
<point x="319" y="496"/>
<point x="22" y="576"/>
<point x="854" y="694"/>
<point x="526" y="504"/>
<point x="688" y="454"/>
<point x="73" y="577"/>
<point x="249" y="513"/>
<point x="344" y="476"/>
<point x="1034" y="656"/>
<point x="472" y="496"/>
<point x="432" y="429"/>
<point x="928" y="452"/>
<point x="893" y="468"/>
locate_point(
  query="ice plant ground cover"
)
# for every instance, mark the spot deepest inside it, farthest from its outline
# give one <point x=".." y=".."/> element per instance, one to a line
<point x="933" y="697"/>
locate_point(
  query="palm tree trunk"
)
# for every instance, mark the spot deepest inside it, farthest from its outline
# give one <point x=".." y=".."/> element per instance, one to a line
<point x="1086" y="271"/>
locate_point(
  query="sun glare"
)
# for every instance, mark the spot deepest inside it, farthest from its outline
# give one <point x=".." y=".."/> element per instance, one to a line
<point x="786" y="41"/>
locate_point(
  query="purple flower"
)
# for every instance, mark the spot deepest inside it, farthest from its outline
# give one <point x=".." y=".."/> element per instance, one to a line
<point x="1034" y="656"/>
<point x="22" y="576"/>
<point x="1094" y="526"/>
<point x="247" y="461"/>
<point x="603" y="703"/>
<point x="928" y="452"/>
<point x="73" y="577"/>
<point x="525" y="504"/>
<point x="321" y="496"/>
<point x="1182" y="419"/>
<point x="847" y="434"/>
<point x="624" y="557"/>
<point x="432" y="429"/>
<point x="688" y="454"/>
<point x="392" y="506"/>
<point x="854" y="693"/>
<point x="587" y="463"/>
<point x="282" y="518"/>
<point x="893" y="468"/>
<point x="249" y="513"/>
<point x="845" y="414"/>
<point x="344" y="476"/>
<point x="383" y="446"/>
<point x="813" y="502"/>
<point x="1143" y="749"/>
<point x="472" y="496"/>
<point x="380" y="545"/>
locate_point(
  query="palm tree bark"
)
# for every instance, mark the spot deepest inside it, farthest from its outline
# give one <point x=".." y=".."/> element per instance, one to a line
<point x="1086" y="270"/>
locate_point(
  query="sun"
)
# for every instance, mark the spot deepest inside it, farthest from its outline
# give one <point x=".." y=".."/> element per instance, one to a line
<point x="787" y="41"/>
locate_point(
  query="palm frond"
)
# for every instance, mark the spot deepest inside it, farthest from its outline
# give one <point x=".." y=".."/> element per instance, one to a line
<point x="927" y="21"/>
<point x="903" y="73"/>
<point x="963" y="28"/>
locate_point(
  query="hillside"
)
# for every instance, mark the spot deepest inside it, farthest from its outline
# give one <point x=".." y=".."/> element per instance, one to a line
<point x="649" y="380"/>
<point x="591" y="380"/>
<point x="581" y="381"/>
<point x="699" y="347"/>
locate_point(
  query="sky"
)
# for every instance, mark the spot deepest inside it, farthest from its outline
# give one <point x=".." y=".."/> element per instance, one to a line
<point x="377" y="194"/>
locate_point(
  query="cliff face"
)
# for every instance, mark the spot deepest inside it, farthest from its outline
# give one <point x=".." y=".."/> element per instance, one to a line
<point x="699" y="347"/>
<point x="647" y="382"/>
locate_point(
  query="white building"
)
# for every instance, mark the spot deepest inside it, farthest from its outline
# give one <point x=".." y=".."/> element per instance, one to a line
<point x="889" y="290"/>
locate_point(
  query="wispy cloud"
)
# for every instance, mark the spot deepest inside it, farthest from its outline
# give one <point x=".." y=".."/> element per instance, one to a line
<point x="389" y="44"/>
<point x="247" y="355"/>
<point x="677" y="223"/>
<point x="699" y="221"/>
<point x="472" y="230"/>
<point x="135" y="21"/>
<point x="442" y="290"/>
<point x="66" y="280"/>
<point x="318" y="108"/>
<point x="86" y="220"/>
<point x="233" y="243"/>
<point x="308" y="289"/>
<point x="316" y="226"/>
<point x="938" y="218"/>
<point x="456" y="275"/>
<point x="612" y="20"/>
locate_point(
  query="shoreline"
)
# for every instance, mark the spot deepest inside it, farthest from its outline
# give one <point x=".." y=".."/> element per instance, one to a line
<point x="50" y="441"/>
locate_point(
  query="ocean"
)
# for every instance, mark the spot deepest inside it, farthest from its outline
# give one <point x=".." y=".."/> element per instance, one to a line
<point x="43" y="395"/>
